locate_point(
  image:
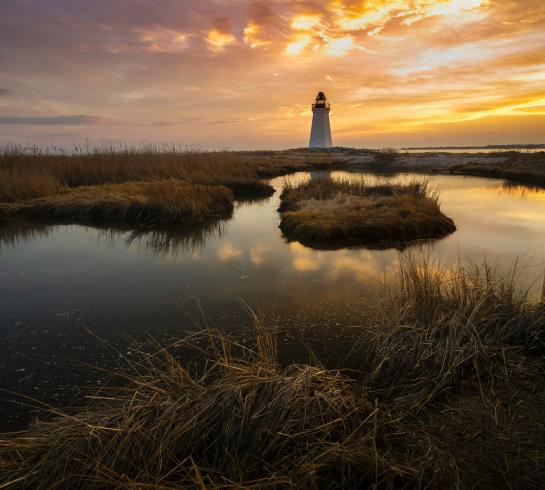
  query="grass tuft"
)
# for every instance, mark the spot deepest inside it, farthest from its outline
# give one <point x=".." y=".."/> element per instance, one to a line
<point x="386" y="157"/>
<point x="333" y="213"/>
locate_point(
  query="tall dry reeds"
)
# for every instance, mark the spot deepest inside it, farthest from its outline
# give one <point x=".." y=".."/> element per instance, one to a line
<point x="35" y="172"/>
<point x="82" y="184"/>
<point x="16" y="185"/>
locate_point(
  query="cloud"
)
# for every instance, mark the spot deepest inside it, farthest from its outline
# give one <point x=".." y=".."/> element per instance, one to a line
<point x="220" y="36"/>
<point x="73" y="120"/>
<point x="164" y="41"/>
<point x="227" y="252"/>
<point x="244" y="73"/>
<point x="222" y="121"/>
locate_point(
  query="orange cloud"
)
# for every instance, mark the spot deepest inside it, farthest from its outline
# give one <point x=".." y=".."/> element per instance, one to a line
<point x="221" y="36"/>
<point x="165" y="41"/>
<point x="252" y="36"/>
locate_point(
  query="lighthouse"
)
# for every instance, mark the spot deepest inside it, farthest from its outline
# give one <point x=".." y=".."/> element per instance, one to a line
<point x="320" y="134"/>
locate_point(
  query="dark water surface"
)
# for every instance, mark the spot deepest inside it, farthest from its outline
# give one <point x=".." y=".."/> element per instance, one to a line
<point x="58" y="283"/>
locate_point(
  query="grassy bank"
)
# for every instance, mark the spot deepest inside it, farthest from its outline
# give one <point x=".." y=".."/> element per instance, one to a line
<point x="523" y="168"/>
<point x="25" y="174"/>
<point x="154" y="202"/>
<point x="31" y="173"/>
<point x="81" y="184"/>
<point x="333" y="213"/>
<point x="446" y="390"/>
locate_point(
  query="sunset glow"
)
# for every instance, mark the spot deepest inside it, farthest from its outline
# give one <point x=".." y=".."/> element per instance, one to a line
<point x="243" y="74"/>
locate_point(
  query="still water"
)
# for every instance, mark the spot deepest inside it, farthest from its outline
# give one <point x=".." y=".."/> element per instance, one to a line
<point x="61" y="286"/>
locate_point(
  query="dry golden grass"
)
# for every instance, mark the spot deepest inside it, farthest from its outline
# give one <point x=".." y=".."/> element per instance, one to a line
<point x="449" y="394"/>
<point x="30" y="173"/>
<point x="24" y="175"/>
<point x="332" y="213"/>
<point x="17" y="186"/>
<point x="160" y="201"/>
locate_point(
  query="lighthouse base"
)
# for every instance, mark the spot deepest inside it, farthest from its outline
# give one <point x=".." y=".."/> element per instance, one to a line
<point x="320" y="134"/>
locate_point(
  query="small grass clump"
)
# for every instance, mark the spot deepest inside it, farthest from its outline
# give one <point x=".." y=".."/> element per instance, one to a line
<point x="446" y="390"/>
<point x="154" y="202"/>
<point x="331" y="213"/>
<point x="386" y="157"/>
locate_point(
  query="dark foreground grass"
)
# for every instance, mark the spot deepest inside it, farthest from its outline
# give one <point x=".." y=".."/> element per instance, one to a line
<point x="154" y="202"/>
<point x="446" y="391"/>
<point x="331" y="213"/>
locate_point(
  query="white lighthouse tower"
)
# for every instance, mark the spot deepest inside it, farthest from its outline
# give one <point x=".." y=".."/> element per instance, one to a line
<point x="320" y="134"/>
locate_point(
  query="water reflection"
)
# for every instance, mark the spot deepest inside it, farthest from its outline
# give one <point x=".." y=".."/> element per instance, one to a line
<point x="13" y="235"/>
<point x="519" y="190"/>
<point x="169" y="243"/>
<point x="165" y="242"/>
<point x="58" y="281"/>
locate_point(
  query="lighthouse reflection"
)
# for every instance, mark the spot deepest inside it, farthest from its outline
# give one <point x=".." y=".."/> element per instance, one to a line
<point x="321" y="175"/>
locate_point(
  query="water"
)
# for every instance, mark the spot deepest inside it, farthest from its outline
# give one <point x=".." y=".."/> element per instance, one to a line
<point x="61" y="286"/>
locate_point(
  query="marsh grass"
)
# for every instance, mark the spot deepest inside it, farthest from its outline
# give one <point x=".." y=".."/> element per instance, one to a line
<point x="517" y="167"/>
<point x="36" y="172"/>
<point x="335" y="213"/>
<point x="449" y="394"/>
<point x="386" y="157"/>
<point x="153" y="202"/>
<point x="17" y="185"/>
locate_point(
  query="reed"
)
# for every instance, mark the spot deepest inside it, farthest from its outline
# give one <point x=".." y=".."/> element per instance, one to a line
<point x="16" y="185"/>
<point x="448" y="394"/>
<point x="386" y="157"/>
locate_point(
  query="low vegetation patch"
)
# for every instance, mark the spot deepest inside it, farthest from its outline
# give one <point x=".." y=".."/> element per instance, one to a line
<point x="161" y="201"/>
<point x="333" y="213"/>
<point x="523" y="168"/>
<point x="386" y="157"/>
<point x="446" y="390"/>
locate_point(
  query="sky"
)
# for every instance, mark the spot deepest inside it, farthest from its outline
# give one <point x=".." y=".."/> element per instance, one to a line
<point x="242" y="74"/>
